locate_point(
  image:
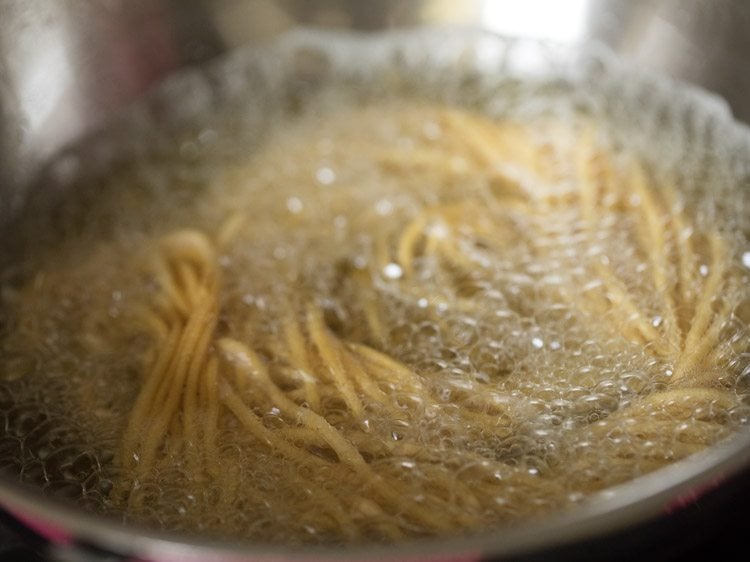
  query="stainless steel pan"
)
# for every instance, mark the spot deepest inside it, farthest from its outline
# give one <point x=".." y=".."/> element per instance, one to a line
<point x="68" y="67"/>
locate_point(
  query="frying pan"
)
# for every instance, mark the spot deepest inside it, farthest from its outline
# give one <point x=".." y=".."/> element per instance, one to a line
<point x="116" y="54"/>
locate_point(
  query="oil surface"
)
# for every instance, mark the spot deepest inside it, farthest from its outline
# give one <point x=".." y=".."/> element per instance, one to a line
<point x="524" y="310"/>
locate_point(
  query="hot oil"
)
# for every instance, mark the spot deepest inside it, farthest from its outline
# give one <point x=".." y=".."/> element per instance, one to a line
<point x="534" y="340"/>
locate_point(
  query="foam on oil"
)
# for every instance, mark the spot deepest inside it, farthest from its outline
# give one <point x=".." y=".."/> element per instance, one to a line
<point x="496" y="305"/>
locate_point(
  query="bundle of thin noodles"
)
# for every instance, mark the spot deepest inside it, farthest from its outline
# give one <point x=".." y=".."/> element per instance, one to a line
<point x="322" y="391"/>
<point x="322" y="411"/>
<point x="176" y="412"/>
<point x="675" y="305"/>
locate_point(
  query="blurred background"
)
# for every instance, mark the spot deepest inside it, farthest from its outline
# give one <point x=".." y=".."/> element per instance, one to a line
<point x="67" y="65"/>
